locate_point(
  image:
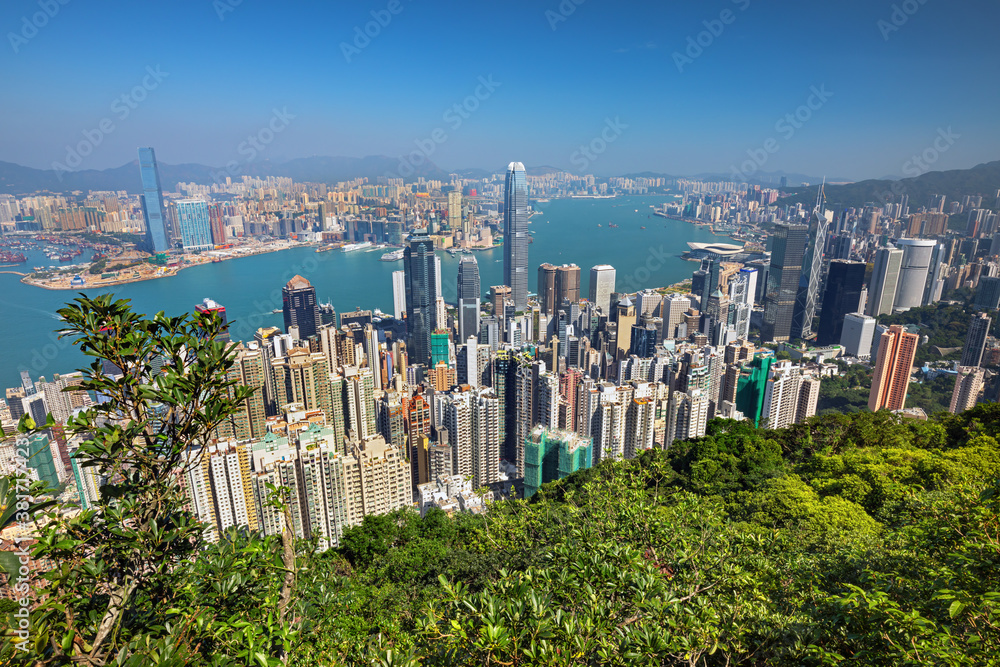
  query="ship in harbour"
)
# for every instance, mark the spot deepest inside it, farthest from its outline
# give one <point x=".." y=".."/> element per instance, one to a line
<point x="351" y="247"/>
<point x="393" y="255"/>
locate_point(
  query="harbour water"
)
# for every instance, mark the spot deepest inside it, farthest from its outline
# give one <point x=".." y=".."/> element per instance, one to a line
<point x="566" y="231"/>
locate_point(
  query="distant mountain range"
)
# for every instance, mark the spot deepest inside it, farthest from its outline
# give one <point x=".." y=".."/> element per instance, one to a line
<point x="18" y="180"/>
<point x="983" y="179"/>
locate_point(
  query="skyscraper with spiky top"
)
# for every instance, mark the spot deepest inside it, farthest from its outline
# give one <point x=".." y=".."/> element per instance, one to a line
<point x="812" y="268"/>
<point x="515" y="234"/>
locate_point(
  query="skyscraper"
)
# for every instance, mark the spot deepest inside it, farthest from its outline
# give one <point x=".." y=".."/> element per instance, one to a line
<point x="515" y="234"/>
<point x="602" y="284"/>
<point x="298" y="299"/>
<point x="808" y="292"/>
<point x="399" y="294"/>
<point x="842" y="296"/>
<point x="195" y="227"/>
<point x="891" y="380"/>
<point x="787" y="252"/>
<point x="152" y="202"/>
<point x="857" y="334"/>
<point x="455" y="211"/>
<point x="975" y="340"/>
<point x="420" y="266"/>
<point x="546" y="288"/>
<point x="567" y="284"/>
<point x="469" y="296"/>
<point x="913" y="272"/>
<point x="552" y="455"/>
<point x="885" y="280"/>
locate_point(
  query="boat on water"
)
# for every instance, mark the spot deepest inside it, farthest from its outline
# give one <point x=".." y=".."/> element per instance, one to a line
<point x="641" y="227"/>
<point x="351" y="247"/>
<point x="325" y="248"/>
<point x="276" y="311"/>
<point x="393" y="256"/>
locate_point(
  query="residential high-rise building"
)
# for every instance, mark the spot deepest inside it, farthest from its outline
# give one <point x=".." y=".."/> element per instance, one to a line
<point x="844" y="283"/>
<point x="303" y="377"/>
<point x="551" y="455"/>
<point x="469" y="297"/>
<point x="687" y="415"/>
<point x="359" y="401"/>
<point x="884" y="282"/>
<point x="968" y="385"/>
<point x="812" y="267"/>
<point x="153" y="210"/>
<point x="455" y="221"/>
<point x="399" y="294"/>
<point x="472" y="418"/>
<point x="751" y="389"/>
<point x="515" y="234"/>
<point x="787" y="251"/>
<point x="975" y="340"/>
<point x="298" y="300"/>
<point x="602" y="285"/>
<point x="195" y="227"/>
<point x="896" y="352"/>
<point x="913" y="271"/>
<point x="421" y="309"/>
<point x="857" y="335"/>
<point x="217" y="224"/>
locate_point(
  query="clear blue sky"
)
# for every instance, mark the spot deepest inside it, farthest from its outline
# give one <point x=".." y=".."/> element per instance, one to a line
<point x="891" y="90"/>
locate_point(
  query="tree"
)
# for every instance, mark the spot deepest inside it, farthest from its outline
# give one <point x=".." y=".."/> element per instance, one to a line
<point x="128" y="585"/>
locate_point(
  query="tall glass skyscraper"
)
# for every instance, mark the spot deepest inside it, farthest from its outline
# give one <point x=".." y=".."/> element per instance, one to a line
<point x="196" y="229"/>
<point x="420" y="264"/>
<point x="515" y="234"/>
<point x="469" y="295"/>
<point x="783" y="280"/>
<point x="808" y="295"/>
<point x="152" y="202"/>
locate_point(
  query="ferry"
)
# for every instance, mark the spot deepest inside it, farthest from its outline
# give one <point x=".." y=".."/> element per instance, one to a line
<point x="351" y="247"/>
<point x="393" y="255"/>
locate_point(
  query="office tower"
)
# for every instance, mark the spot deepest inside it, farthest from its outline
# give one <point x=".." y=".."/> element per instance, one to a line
<point x="975" y="340"/>
<point x="153" y="209"/>
<point x="515" y="234"/>
<point x="206" y="307"/>
<point x="420" y="266"/>
<point x="750" y="275"/>
<point x="789" y="243"/>
<point x="546" y="288"/>
<point x="303" y="377"/>
<point x="455" y="212"/>
<point x="884" y="282"/>
<point x="812" y="268"/>
<point x="893" y="366"/>
<point x="602" y="285"/>
<point x="913" y="272"/>
<point x="298" y="299"/>
<point x="567" y="286"/>
<point x="842" y="296"/>
<point x="469" y="295"/>
<point x="626" y="318"/>
<point x="857" y="335"/>
<point x="987" y="293"/>
<point x="553" y="454"/>
<point x="968" y="385"/>
<point x="195" y="228"/>
<point x="399" y="294"/>
<point x="672" y="311"/>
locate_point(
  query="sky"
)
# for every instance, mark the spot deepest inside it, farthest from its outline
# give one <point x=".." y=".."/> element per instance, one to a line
<point x="853" y="89"/>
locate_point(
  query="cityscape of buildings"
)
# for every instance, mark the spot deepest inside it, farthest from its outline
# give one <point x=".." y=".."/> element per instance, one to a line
<point x="499" y="391"/>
